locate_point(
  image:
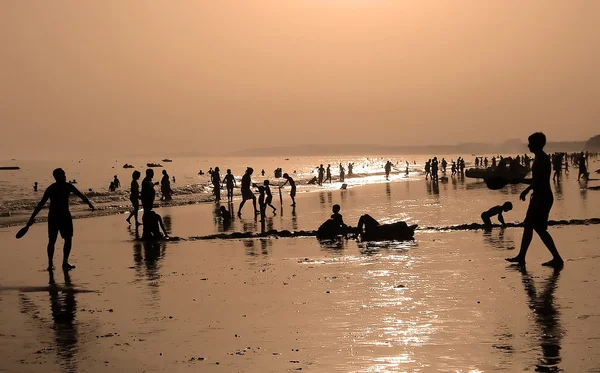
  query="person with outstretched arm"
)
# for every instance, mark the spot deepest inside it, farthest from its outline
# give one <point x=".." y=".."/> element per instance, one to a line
<point x="59" y="216"/>
<point x="288" y="179"/>
<point x="540" y="204"/>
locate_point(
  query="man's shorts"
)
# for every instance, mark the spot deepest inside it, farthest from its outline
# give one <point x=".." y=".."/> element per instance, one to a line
<point x="62" y="225"/>
<point x="293" y="192"/>
<point x="538" y="212"/>
<point x="247" y="194"/>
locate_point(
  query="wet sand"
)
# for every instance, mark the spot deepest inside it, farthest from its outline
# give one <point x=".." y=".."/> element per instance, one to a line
<point x="445" y="302"/>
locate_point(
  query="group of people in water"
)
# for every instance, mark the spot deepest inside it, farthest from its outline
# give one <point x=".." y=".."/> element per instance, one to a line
<point x="536" y="219"/>
<point x="432" y="167"/>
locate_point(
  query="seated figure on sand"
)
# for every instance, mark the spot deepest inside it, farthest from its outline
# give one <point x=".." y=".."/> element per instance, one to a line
<point x="154" y="224"/>
<point x="334" y="226"/>
<point x="496" y="210"/>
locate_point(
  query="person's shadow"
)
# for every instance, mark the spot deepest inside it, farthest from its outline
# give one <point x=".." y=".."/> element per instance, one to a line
<point x="546" y="318"/>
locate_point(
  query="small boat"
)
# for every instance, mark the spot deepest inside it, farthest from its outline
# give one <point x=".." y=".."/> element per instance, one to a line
<point x="167" y="160"/>
<point x="10" y="168"/>
<point x="126" y="165"/>
<point x="153" y="164"/>
<point x="486" y="173"/>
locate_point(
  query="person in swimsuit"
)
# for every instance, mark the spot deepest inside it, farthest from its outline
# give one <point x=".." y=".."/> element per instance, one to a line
<point x="134" y="197"/>
<point x="229" y="181"/>
<point x="288" y="179"/>
<point x="59" y="216"/>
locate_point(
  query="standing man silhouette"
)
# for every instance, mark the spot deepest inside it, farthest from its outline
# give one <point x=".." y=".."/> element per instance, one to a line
<point x="59" y="216"/>
<point x="540" y="203"/>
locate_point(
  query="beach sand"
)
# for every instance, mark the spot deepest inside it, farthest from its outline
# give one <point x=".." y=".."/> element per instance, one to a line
<point x="446" y="302"/>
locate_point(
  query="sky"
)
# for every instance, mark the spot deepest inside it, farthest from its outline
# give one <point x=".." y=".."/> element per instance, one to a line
<point x="125" y="77"/>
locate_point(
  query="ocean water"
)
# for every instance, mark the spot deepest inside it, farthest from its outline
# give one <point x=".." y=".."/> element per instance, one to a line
<point x="459" y="199"/>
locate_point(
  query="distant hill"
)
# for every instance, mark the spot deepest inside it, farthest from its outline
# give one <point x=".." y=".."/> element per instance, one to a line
<point x="508" y="147"/>
<point x="593" y="144"/>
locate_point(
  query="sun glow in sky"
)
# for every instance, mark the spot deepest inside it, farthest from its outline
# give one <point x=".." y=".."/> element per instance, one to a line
<point x="190" y="76"/>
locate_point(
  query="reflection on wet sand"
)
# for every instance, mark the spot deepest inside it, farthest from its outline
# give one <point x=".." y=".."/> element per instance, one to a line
<point x="547" y="321"/>
<point x="499" y="239"/>
<point x="63" y="308"/>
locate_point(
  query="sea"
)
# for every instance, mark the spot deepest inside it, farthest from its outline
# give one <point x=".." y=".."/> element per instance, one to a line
<point x="461" y="197"/>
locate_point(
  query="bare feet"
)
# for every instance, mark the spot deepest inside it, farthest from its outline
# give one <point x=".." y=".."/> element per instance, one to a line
<point x="556" y="263"/>
<point x="67" y="267"/>
<point x="516" y="260"/>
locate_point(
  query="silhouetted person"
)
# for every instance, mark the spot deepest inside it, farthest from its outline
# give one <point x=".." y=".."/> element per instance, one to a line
<point x="333" y="226"/>
<point x="321" y="175"/>
<point x="216" y="181"/>
<point x="453" y="169"/>
<point x="369" y="226"/>
<point x="350" y="167"/>
<point x="229" y="181"/>
<point x="134" y="197"/>
<point x="262" y="172"/>
<point x="111" y="187"/>
<point x="427" y="169"/>
<point x="407" y="164"/>
<point x="328" y="173"/>
<point x="261" y="202"/>
<point x="165" y="187"/>
<point x="115" y="181"/>
<point x="342" y="173"/>
<point x="153" y="224"/>
<point x="540" y="203"/>
<point x="147" y="196"/>
<point x="288" y="179"/>
<point x="496" y="210"/>
<point x="35" y="186"/>
<point x="434" y="169"/>
<point x="269" y="195"/>
<point x="444" y="165"/>
<point x="493" y="162"/>
<point x="225" y="216"/>
<point x="59" y="216"/>
<point x="485" y="162"/>
<point x="247" y="192"/>
<point x="581" y="161"/>
<point x="388" y="169"/>
<point x="173" y="179"/>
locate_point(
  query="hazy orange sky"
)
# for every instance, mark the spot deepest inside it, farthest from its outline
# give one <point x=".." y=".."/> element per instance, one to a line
<point x="119" y="76"/>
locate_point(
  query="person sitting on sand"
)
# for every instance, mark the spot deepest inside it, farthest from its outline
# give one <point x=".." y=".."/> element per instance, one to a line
<point x="288" y="179"/>
<point x="496" y="210"/>
<point x="59" y="216"/>
<point x="153" y="224"/>
<point x="540" y="203"/>
<point x="334" y="226"/>
<point x="225" y="215"/>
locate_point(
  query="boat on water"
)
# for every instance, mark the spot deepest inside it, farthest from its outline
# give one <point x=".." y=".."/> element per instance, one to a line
<point x="487" y="173"/>
<point x="167" y="160"/>
<point x="153" y="164"/>
<point x="9" y="168"/>
<point x="127" y="165"/>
